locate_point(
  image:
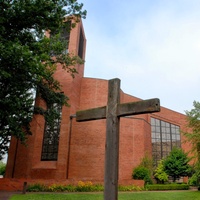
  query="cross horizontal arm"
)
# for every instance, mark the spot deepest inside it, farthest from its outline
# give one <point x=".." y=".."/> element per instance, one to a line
<point x="124" y="109"/>
<point x="139" y="107"/>
<point x="91" y="114"/>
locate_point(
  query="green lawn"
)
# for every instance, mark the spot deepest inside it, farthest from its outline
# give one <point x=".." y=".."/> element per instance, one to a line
<point x="179" y="195"/>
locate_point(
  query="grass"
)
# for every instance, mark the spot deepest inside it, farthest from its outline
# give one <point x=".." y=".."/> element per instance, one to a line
<point x="175" y="195"/>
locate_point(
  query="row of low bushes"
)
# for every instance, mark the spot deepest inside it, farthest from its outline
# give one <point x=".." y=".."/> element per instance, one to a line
<point x="167" y="187"/>
<point x="80" y="187"/>
<point x="64" y="188"/>
<point x="90" y="187"/>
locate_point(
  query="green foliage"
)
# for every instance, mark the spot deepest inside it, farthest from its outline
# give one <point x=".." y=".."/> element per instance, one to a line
<point x="130" y="188"/>
<point x="176" y="164"/>
<point x="160" y="174"/>
<point x="61" y="188"/>
<point x="85" y="187"/>
<point x="142" y="173"/>
<point x="37" y="187"/>
<point x="2" y="168"/>
<point x="147" y="163"/>
<point x="167" y="187"/>
<point x="26" y="60"/>
<point x="193" y="136"/>
<point x="193" y="180"/>
<point x="80" y="187"/>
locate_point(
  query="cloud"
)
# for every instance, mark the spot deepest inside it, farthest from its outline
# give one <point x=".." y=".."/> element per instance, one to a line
<point x="155" y="53"/>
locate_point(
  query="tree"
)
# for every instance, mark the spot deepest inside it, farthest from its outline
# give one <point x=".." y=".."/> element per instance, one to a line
<point x="176" y="164"/>
<point x="160" y="173"/>
<point x="26" y="62"/>
<point x="193" y="135"/>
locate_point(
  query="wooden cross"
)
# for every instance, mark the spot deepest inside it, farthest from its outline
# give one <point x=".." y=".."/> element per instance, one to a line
<point x="112" y="113"/>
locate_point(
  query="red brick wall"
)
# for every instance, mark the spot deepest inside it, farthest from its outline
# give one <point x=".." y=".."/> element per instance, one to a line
<point x="87" y="142"/>
<point x="88" y="139"/>
<point x="83" y="159"/>
<point x="7" y="184"/>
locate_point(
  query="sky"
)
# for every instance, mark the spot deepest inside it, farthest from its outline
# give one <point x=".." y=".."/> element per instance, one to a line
<point x="152" y="46"/>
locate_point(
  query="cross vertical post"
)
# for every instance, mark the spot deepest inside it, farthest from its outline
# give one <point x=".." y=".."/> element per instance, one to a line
<point x="112" y="113"/>
<point x="112" y="142"/>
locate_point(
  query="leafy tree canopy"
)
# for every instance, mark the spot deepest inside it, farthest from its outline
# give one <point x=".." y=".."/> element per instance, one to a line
<point x="176" y="164"/>
<point x="193" y="136"/>
<point x="159" y="173"/>
<point x="26" y="62"/>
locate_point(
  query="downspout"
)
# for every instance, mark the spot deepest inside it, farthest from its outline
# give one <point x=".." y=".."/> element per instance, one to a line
<point x="69" y="143"/>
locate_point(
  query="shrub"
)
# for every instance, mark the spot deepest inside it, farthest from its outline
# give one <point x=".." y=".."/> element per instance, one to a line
<point x="147" y="163"/>
<point x="88" y="186"/>
<point x="98" y="188"/>
<point x="61" y="188"/>
<point x="167" y="187"/>
<point x="142" y="173"/>
<point x="2" y="168"/>
<point x="160" y="174"/>
<point x="176" y="164"/>
<point x="81" y="187"/>
<point x="129" y="188"/>
<point x="70" y="188"/>
<point x="193" y="181"/>
<point x="84" y="186"/>
<point x="37" y="187"/>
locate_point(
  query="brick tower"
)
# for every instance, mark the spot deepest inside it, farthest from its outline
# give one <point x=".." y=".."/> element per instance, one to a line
<point x="32" y="161"/>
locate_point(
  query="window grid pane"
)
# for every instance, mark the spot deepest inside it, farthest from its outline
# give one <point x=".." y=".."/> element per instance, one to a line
<point x="51" y="138"/>
<point x="164" y="136"/>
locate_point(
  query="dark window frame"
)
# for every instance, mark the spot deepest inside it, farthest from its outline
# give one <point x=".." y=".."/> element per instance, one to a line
<point x="64" y="36"/>
<point x="50" y="143"/>
<point x="164" y="137"/>
<point x="81" y="44"/>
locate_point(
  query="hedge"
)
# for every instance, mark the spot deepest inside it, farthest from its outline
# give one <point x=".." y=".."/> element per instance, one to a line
<point x="80" y="187"/>
<point x="167" y="187"/>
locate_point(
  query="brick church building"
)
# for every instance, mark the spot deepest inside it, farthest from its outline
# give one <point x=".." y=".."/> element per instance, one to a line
<point x="76" y="150"/>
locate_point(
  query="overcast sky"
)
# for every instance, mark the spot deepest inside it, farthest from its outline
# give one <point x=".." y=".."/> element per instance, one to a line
<point x="153" y="46"/>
